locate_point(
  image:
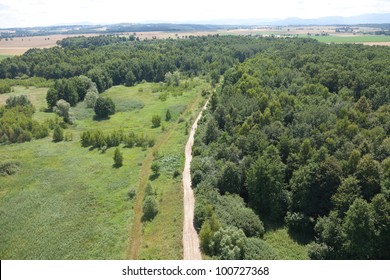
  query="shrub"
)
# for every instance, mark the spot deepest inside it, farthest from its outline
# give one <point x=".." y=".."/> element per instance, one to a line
<point x="156" y="121"/>
<point x="148" y="190"/>
<point x="155" y="168"/>
<point x="118" y="158"/>
<point x="150" y="208"/>
<point x="168" y="115"/>
<point x="132" y="193"/>
<point x="257" y="249"/>
<point x="58" y="134"/>
<point x="9" y="167"/>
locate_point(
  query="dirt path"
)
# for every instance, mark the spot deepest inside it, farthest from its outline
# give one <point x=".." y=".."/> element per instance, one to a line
<point x="190" y="237"/>
<point x="135" y="234"/>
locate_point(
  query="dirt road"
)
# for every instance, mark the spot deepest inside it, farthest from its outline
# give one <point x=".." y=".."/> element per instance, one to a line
<point x="190" y="237"/>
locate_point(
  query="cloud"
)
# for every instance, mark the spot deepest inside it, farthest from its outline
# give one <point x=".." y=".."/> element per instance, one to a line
<point x="49" y="12"/>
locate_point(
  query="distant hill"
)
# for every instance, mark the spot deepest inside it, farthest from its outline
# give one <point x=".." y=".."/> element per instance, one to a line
<point x="218" y="24"/>
<point x="362" y="19"/>
<point x="331" y="20"/>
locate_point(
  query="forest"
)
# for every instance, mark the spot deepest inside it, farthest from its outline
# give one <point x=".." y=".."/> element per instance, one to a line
<point x="296" y="134"/>
<point x="300" y="135"/>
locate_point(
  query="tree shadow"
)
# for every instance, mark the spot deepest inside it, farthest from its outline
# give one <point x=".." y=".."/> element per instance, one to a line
<point x="100" y="119"/>
<point x="154" y="176"/>
<point x="301" y="237"/>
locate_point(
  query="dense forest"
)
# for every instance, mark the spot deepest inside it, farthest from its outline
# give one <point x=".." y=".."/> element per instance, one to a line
<point x="296" y="134"/>
<point x="300" y="133"/>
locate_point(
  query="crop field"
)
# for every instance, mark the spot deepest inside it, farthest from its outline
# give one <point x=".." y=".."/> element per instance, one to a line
<point x="68" y="202"/>
<point x="19" y="45"/>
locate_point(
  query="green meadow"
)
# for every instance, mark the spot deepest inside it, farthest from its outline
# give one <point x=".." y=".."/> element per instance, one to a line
<point x="4" y="56"/>
<point x="352" y="39"/>
<point x="68" y="202"/>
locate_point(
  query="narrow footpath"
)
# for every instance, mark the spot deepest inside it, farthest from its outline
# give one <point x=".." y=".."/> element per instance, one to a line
<point x="191" y="249"/>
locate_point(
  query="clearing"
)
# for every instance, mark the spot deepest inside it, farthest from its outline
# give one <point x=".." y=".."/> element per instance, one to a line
<point x="68" y="202"/>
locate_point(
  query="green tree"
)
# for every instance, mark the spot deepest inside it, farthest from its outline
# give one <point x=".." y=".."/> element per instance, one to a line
<point x="149" y="208"/>
<point x="306" y="150"/>
<point x="346" y="194"/>
<point x="168" y="115"/>
<point x="21" y="100"/>
<point x="62" y="109"/>
<point x="266" y="189"/>
<point x="58" y="134"/>
<point x="230" y="179"/>
<point x="353" y="161"/>
<point x="52" y="97"/>
<point x="358" y="226"/>
<point x="104" y="107"/>
<point x="313" y="185"/>
<point x="91" y="97"/>
<point x="368" y="172"/>
<point x="329" y="231"/>
<point x="130" y="79"/>
<point x="381" y="212"/>
<point x="118" y="158"/>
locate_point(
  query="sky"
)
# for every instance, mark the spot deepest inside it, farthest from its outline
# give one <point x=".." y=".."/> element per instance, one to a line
<point x="30" y="13"/>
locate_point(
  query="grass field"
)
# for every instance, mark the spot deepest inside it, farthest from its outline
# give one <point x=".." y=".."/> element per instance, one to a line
<point x="352" y="39"/>
<point x="4" y="56"/>
<point x="286" y="248"/>
<point x="68" y="202"/>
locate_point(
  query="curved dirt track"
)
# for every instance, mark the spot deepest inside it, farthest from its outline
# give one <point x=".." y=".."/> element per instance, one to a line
<point x="191" y="250"/>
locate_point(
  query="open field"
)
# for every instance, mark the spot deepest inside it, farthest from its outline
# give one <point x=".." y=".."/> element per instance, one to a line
<point x="68" y="202"/>
<point x="354" y="39"/>
<point x="19" y="45"/>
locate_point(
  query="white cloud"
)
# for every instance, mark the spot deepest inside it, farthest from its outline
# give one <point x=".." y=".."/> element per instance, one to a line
<point x="47" y="12"/>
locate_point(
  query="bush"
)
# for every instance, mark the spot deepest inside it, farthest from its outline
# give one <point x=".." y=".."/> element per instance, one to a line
<point x="58" y="134"/>
<point x="257" y="249"/>
<point x="14" y="101"/>
<point x="168" y="115"/>
<point x="156" y="121"/>
<point x="150" y="208"/>
<point x="149" y="190"/>
<point x="118" y="158"/>
<point x="132" y="193"/>
<point x="229" y="243"/>
<point x="9" y="167"/>
<point x="155" y="168"/>
<point x="176" y="173"/>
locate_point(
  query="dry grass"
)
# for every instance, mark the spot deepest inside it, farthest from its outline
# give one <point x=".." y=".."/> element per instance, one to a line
<point x="19" y="45"/>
